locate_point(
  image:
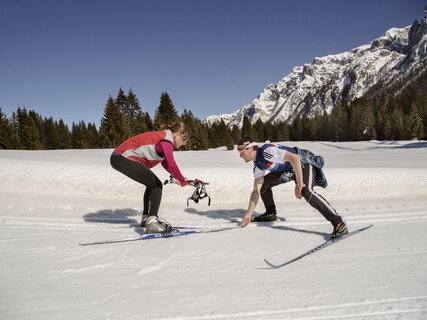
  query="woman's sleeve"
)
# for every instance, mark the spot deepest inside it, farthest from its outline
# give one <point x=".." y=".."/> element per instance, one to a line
<point x="165" y="149"/>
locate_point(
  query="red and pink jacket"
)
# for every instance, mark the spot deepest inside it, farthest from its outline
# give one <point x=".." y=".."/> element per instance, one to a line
<point x="152" y="148"/>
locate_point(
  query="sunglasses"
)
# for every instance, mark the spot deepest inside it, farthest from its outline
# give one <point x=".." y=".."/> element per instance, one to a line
<point x="184" y="139"/>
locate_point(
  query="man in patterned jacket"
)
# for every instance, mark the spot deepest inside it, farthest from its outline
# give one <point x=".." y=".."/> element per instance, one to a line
<point x="275" y="164"/>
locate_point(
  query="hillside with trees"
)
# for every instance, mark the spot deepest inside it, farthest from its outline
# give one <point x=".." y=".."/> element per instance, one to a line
<point x="398" y="113"/>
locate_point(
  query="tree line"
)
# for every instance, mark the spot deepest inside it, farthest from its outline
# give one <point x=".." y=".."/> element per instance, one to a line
<point x="399" y="113"/>
<point x="123" y="117"/>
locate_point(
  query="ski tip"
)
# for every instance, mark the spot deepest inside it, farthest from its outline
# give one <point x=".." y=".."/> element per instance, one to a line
<point x="270" y="264"/>
<point x="367" y="227"/>
<point x="86" y="244"/>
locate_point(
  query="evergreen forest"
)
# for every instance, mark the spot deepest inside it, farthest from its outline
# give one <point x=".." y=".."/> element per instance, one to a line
<point x="399" y="113"/>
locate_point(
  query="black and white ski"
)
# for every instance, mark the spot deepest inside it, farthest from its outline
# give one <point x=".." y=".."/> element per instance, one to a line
<point x="150" y="236"/>
<point x="317" y="248"/>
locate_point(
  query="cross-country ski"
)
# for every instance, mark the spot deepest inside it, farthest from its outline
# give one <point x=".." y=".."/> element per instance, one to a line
<point x="151" y="236"/>
<point x="317" y="248"/>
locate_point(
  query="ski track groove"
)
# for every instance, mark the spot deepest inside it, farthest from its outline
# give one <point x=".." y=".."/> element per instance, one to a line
<point x="72" y="223"/>
<point x="379" y="309"/>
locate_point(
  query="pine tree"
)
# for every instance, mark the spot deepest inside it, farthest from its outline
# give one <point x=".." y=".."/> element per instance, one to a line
<point x="247" y="129"/>
<point x="415" y="126"/>
<point x="356" y="122"/>
<point x="51" y="134"/>
<point x="224" y="136"/>
<point x="79" y="136"/>
<point x="133" y="114"/>
<point x="165" y="113"/>
<point x="236" y="134"/>
<point x="308" y="129"/>
<point x="369" y="123"/>
<point x="64" y="139"/>
<point x="7" y="138"/>
<point x="323" y="127"/>
<point x="281" y="132"/>
<point x="121" y="102"/>
<point x="201" y="132"/>
<point x="148" y="121"/>
<point x="39" y="122"/>
<point x="382" y="124"/>
<point x="396" y="120"/>
<point x="296" y="130"/>
<point x="199" y="135"/>
<point x="114" y="128"/>
<point x="141" y="123"/>
<point x="340" y="122"/>
<point x="214" y="141"/>
<point x="388" y="129"/>
<point x="269" y="132"/>
<point x="28" y="133"/>
<point x="93" y="136"/>
<point x="15" y="127"/>
<point x="259" y="131"/>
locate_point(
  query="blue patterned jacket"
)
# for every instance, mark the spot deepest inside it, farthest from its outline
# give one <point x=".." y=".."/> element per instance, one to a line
<point x="308" y="157"/>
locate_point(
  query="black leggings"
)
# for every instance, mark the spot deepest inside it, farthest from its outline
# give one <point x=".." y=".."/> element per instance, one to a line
<point x="140" y="173"/>
<point x="312" y="197"/>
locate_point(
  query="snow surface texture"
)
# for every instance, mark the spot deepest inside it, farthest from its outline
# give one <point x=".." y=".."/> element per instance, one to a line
<point x="50" y="201"/>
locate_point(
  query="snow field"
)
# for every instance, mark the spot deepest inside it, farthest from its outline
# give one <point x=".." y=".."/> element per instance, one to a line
<point x="50" y="201"/>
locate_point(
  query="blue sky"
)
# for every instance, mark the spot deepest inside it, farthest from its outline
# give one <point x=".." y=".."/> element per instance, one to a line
<point x="63" y="58"/>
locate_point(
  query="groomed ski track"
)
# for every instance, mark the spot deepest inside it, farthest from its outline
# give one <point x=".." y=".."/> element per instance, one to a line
<point x="51" y="201"/>
<point x="362" y="273"/>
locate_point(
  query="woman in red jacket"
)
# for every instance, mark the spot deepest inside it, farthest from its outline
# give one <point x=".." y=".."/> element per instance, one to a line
<point x="137" y="155"/>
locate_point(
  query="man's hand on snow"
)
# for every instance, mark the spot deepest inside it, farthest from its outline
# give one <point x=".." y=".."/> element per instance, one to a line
<point x="246" y="220"/>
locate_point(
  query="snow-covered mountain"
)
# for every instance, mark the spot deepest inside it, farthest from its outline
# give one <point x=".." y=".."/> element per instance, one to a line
<point x="401" y="53"/>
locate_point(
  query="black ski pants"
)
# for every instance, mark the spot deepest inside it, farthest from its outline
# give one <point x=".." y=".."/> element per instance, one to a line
<point x="312" y="197"/>
<point x="140" y="173"/>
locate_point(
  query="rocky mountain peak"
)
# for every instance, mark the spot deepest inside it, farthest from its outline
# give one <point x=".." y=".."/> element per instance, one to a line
<point x="324" y="83"/>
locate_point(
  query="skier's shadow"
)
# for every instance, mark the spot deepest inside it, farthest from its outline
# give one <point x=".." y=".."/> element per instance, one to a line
<point x="126" y="217"/>
<point x="235" y="216"/>
<point x="326" y="236"/>
<point x="130" y="218"/>
<point x="118" y="216"/>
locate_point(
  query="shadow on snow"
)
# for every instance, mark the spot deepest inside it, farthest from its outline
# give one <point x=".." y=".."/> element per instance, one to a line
<point x="235" y="216"/>
<point x="130" y="217"/>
